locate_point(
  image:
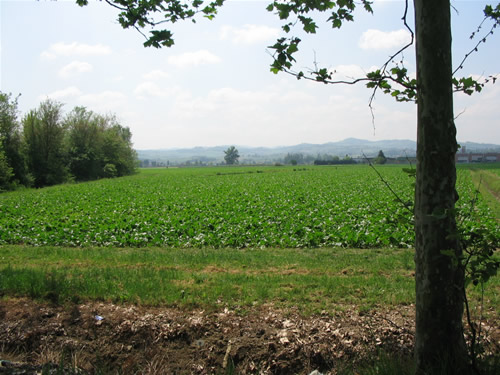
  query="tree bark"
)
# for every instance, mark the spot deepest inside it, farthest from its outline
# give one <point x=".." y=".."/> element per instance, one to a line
<point x="439" y="343"/>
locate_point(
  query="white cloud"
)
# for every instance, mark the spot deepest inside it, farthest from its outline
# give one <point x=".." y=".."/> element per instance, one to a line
<point x="377" y="39"/>
<point x="100" y="102"/>
<point x="156" y="75"/>
<point x="248" y="34"/>
<point x="276" y="114"/>
<point x="350" y="71"/>
<point x="200" y="57"/>
<point x="151" y="89"/>
<point x="46" y="55"/>
<point x="74" y="68"/>
<point x="75" y="49"/>
<point x="105" y="101"/>
<point x="68" y="92"/>
<point x="477" y="115"/>
<point x="225" y="102"/>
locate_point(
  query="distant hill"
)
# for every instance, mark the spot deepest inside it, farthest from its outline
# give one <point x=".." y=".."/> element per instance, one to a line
<point x="351" y="146"/>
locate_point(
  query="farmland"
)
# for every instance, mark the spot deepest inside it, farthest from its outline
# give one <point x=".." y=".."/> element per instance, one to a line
<point x="276" y="269"/>
<point x="224" y="208"/>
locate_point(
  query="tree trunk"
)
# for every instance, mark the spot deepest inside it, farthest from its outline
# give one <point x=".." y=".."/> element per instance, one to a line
<point x="439" y="343"/>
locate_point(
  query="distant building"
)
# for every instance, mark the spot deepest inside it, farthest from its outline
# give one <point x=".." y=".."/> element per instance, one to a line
<point x="477" y="157"/>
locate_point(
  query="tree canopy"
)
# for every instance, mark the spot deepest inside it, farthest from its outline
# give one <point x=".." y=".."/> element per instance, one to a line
<point x="231" y="155"/>
<point x="380" y="159"/>
<point x="46" y="147"/>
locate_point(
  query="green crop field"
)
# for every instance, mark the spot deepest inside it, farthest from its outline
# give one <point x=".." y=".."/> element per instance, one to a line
<point x="317" y="240"/>
<point x="241" y="207"/>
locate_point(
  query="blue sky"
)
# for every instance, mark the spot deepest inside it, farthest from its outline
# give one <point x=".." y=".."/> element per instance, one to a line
<point x="214" y="87"/>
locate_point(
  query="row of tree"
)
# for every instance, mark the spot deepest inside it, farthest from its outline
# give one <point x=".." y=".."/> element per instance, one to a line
<point x="47" y="147"/>
<point x="325" y="159"/>
<point x="335" y="161"/>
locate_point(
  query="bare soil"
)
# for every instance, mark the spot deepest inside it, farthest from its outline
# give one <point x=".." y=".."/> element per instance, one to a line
<point x="150" y="340"/>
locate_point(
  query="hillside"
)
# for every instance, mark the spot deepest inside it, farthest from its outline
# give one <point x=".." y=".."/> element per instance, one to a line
<point x="248" y="155"/>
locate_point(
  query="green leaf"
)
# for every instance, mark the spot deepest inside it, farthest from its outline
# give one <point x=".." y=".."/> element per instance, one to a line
<point x="160" y="38"/>
<point x="411" y="172"/>
<point x="384" y="84"/>
<point x="292" y="48"/>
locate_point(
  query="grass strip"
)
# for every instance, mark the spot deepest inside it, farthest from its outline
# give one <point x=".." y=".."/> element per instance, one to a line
<point x="489" y="186"/>
<point x="314" y="279"/>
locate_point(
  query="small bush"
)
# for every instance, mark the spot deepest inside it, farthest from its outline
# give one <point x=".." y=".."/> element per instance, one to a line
<point x="110" y="171"/>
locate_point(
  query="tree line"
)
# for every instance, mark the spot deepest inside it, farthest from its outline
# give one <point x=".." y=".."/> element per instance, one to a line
<point x="325" y="159"/>
<point x="46" y="147"/>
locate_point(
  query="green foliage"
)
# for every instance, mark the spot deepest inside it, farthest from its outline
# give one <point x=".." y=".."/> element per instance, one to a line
<point x="95" y="141"/>
<point x="380" y="159"/>
<point x="467" y="85"/>
<point x="5" y="170"/>
<point x="110" y="171"/>
<point x="279" y="207"/>
<point x="51" y="149"/>
<point x="43" y="134"/>
<point x="117" y="148"/>
<point x="479" y="243"/>
<point x="84" y="141"/>
<point x="493" y="13"/>
<point x="406" y="90"/>
<point x="231" y="155"/>
<point x="294" y="158"/>
<point x="475" y="255"/>
<point x="392" y="80"/>
<point x="340" y="11"/>
<point x="479" y="238"/>
<point x="140" y="14"/>
<point x="11" y="136"/>
<point x="283" y="55"/>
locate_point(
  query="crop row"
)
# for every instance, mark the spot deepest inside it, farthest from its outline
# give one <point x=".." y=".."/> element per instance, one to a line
<point x="227" y="207"/>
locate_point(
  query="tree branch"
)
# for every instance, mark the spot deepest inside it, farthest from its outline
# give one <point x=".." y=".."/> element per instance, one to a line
<point x="405" y="14"/>
<point x="115" y="6"/>
<point x="403" y="203"/>
<point x="476" y="47"/>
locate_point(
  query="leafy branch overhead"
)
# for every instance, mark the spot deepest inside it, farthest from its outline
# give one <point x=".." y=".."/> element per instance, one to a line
<point x="141" y="14"/>
<point x="152" y="14"/>
<point x="395" y="80"/>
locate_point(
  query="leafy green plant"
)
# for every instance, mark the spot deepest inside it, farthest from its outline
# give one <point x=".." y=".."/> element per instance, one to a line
<point x="110" y="170"/>
<point x="318" y="207"/>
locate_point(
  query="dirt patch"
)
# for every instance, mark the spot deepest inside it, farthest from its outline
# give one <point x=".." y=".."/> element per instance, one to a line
<point x="253" y="272"/>
<point x="265" y="340"/>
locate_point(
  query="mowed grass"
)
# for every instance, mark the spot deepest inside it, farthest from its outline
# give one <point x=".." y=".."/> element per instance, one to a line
<point x="314" y="280"/>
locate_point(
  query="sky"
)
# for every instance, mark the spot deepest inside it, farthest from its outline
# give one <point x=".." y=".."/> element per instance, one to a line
<point x="214" y="86"/>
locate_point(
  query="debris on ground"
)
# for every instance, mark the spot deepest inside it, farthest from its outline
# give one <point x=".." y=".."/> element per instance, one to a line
<point x="157" y="340"/>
